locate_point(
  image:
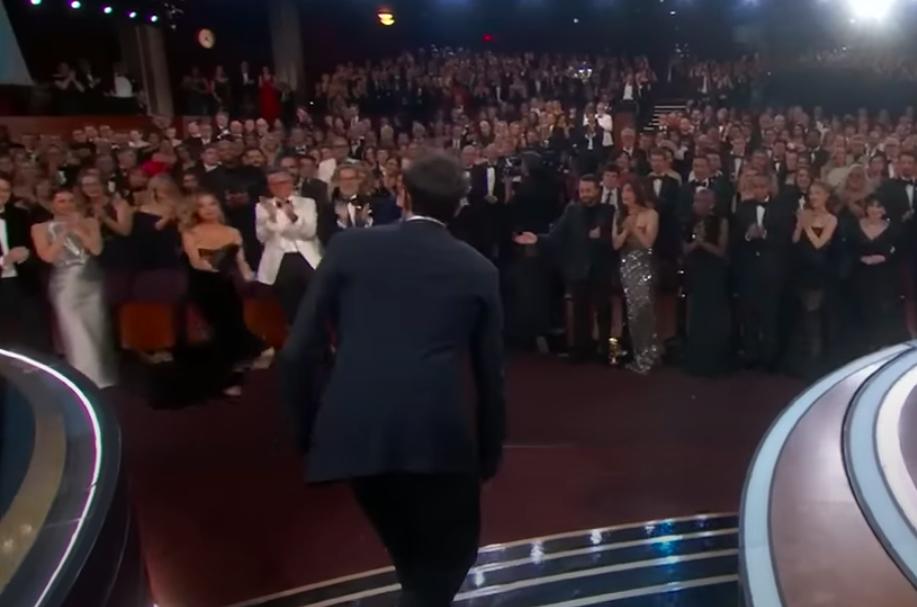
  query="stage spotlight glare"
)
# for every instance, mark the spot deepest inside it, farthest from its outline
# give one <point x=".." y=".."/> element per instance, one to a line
<point x="153" y="18"/>
<point x="76" y="4"/>
<point x="870" y="10"/>
<point x="107" y="10"/>
<point x="132" y="15"/>
<point x="35" y="2"/>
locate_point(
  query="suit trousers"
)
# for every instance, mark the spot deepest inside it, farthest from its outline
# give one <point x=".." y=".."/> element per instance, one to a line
<point x="430" y="524"/>
<point x="24" y="318"/>
<point x="290" y="285"/>
<point x="588" y="296"/>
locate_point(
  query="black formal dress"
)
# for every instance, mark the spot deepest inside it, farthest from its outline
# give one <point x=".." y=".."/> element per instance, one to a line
<point x="708" y="343"/>
<point x="877" y="290"/>
<point x="814" y="277"/>
<point x="408" y="302"/>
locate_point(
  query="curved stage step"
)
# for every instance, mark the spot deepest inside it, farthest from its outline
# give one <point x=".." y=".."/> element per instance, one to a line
<point x="829" y="511"/>
<point x="684" y="562"/>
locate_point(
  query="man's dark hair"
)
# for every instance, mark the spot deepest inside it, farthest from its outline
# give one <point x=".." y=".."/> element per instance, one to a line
<point x="590" y="178"/>
<point x="436" y="184"/>
<point x="611" y="168"/>
<point x="293" y="157"/>
<point x="658" y="152"/>
<point x="908" y="153"/>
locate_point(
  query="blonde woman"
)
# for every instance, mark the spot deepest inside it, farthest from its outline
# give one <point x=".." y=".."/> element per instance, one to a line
<point x="853" y="191"/>
<point x="116" y="218"/>
<point x="215" y="255"/>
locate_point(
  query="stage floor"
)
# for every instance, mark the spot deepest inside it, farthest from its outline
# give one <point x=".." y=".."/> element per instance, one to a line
<point x="225" y="519"/>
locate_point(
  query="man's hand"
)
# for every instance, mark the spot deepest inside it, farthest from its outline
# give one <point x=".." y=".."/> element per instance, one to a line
<point x="268" y="205"/>
<point x="525" y="238"/>
<point x="343" y="214"/>
<point x="490" y="199"/>
<point x="289" y="211"/>
<point x="908" y="215"/>
<point x="753" y="232"/>
<point x="595" y="233"/>
<point x="16" y="255"/>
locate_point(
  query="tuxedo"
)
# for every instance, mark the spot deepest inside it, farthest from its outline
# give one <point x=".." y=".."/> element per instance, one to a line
<point x="291" y="249"/>
<point x="490" y="228"/>
<point x="762" y="265"/>
<point x="23" y="319"/>
<point x="329" y="224"/>
<point x="666" y="188"/>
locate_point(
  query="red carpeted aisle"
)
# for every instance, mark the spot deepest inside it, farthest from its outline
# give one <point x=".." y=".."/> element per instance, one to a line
<point x="224" y="516"/>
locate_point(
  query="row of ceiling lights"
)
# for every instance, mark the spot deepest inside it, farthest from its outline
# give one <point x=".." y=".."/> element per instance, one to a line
<point x="107" y="10"/>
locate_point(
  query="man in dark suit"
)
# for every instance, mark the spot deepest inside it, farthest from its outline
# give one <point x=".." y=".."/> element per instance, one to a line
<point x="21" y="306"/>
<point x="412" y="295"/>
<point x="762" y="244"/>
<point x="581" y="243"/>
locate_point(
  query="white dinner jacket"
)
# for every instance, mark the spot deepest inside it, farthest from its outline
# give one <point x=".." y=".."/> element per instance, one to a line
<point x="302" y="234"/>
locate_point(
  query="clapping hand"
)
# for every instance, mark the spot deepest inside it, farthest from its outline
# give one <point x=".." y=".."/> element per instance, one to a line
<point x="525" y="238"/>
<point x="907" y="215"/>
<point x="15" y="255"/>
<point x="268" y="205"/>
<point x="754" y="231"/>
<point x="595" y="233"/>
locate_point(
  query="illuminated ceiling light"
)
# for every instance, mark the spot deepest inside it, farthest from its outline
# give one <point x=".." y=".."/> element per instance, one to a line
<point x="153" y="18"/>
<point x="35" y="2"/>
<point x="870" y="10"/>
<point x="386" y="17"/>
<point x="107" y="10"/>
<point x="132" y="15"/>
<point x="76" y="4"/>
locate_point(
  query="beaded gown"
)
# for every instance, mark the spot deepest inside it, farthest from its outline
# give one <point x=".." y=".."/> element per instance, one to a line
<point x="637" y="280"/>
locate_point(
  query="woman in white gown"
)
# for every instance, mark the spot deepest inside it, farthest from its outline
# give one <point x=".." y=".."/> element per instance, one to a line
<point x="71" y="242"/>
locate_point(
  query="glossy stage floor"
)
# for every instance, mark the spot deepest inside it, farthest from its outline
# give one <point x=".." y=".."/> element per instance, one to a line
<point x="616" y="488"/>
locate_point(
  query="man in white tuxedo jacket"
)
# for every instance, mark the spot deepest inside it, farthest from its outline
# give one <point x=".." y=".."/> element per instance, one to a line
<point x="287" y="226"/>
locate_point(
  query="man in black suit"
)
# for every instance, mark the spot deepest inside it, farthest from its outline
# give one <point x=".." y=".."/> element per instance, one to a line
<point x="21" y="307"/>
<point x="581" y="243"/>
<point x="762" y="237"/>
<point x="412" y="295"/>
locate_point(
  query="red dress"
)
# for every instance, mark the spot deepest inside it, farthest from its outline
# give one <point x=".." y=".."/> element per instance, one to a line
<point x="269" y="100"/>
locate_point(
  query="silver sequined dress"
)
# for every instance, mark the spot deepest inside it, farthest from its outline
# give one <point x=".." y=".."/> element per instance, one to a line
<point x="638" y="279"/>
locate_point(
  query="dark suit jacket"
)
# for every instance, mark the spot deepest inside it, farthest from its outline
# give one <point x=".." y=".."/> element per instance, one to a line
<point x="19" y="234"/>
<point x="568" y="242"/>
<point x="768" y="257"/>
<point x="408" y="302"/>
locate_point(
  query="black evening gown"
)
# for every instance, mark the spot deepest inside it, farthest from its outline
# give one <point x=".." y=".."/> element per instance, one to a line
<point x="815" y="271"/>
<point x="708" y="327"/>
<point x="878" y="294"/>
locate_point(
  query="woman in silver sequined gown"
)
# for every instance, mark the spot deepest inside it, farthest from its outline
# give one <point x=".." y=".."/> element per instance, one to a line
<point x="634" y="236"/>
<point x="71" y="243"/>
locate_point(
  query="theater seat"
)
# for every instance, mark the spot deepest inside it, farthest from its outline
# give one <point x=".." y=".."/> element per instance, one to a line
<point x="265" y="319"/>
<point x="146" y="327"/>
